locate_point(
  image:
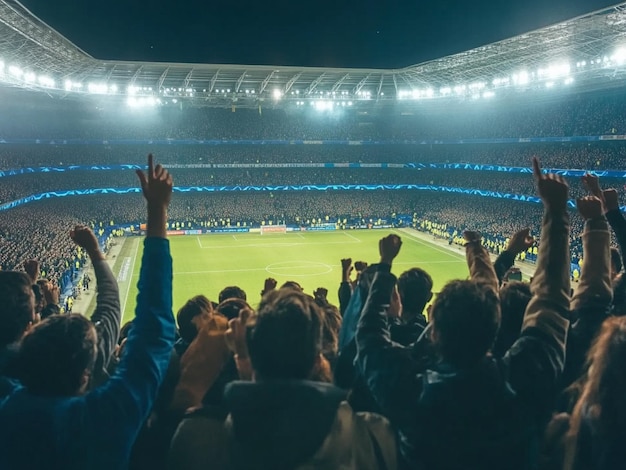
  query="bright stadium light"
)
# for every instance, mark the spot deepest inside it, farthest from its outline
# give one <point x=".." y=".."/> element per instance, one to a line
<point x="30" y="77"/>
<point x="277" y="94"/>
<point x="459" y="89"/>
<point x="113" y="88"/>
<point x="98" y="88"/>
<point x="569" y="80"/>
<point x="489" y="94"/>
<point x="521" y="78"/>
<point x="15" y="71"/>
<point x="549" y="84"/>
<point x="1" y="67"/>
<point x="68" y="85"/>
<point x="46" y="81"/>
<point x="619" y="56"/>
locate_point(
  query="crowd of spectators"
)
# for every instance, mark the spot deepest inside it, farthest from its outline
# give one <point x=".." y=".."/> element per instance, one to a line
<point x="592" y="156"/>
<point x="492" y="374"/>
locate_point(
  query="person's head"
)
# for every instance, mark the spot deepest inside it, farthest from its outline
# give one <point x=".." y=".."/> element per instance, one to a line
<point x="57" y="356"/>
<point x="188" y="315"/>
<point x="415" y="287"/>
<point x="292" y="285"/>
<point x="514" y="298"/>
<point x="616" y="262"/>
<point x="330" y="331"/>
<point x="286" y="340"/>
<point x="232" y="292"/>
<point x="17" y="306"/>
<point x="231" y="307"/>
<point x="604" y="387"/>
<point x="465" y="318"/>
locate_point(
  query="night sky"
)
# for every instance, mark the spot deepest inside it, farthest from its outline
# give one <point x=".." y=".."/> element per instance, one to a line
<point x="329" y="33"/>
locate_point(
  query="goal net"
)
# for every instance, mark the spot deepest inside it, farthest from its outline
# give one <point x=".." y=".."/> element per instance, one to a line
<point x="273" y="229"/>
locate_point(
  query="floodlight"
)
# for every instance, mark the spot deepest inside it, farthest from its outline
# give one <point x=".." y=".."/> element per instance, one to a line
<point x="349" y="103"/>
<point x="113" y="88"/>
<point x="619" y="56"/>
<point x="521" y="78"/>
<point x="228" y="91"/>
<point x="30" y="77"/>
<point x="1" y="66"/>
<point x="445" y="91"/>
<point x="569" y="80"/>
<point x="174" y="101"/>
<point x="489" y="94"/>
<point x="459" y="89"/>
<point x="46" y="81"/>
<point x="68" y="85"/>
<point x="15" y="71"/>
<point x="277" y="94"/>
<point x="297" y="92"/>
<point x="549" y="84"/>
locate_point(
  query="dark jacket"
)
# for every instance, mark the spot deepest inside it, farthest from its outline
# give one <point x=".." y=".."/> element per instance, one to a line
<point x="592" y="301"/>
<point x="486" y="416"/>
<point x="283" y="425"/>
<point x="106" y="318"/>
<point x="97" y="430"/>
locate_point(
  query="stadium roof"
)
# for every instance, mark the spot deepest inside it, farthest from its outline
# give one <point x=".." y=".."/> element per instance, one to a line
<point x="588" y="51"/>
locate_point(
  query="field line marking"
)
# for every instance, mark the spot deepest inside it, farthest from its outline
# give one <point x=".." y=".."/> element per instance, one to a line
<point x="199" y="242"/>
<point x="235" y="238"/>
<point x="283" y="244"/>
<point x="351" y="236"/>
<point x="430" y="245"/>
<point x="132" y="268"/>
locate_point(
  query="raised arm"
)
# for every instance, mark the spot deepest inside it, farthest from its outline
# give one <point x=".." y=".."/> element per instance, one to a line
<point x="130" y="393"/>
<point x="616" y="220"/>
<point x="537" y="358"/>
<point x="345" y="288"/>
<point x="520" y="242"/>
<point x="478" y="261"/>
<point x="108" y="314"/>
<point x="386" y="367"/>
<point x="592" y="301"/>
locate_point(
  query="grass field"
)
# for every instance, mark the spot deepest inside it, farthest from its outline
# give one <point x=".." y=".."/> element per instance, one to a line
<point x="207" y="263"/>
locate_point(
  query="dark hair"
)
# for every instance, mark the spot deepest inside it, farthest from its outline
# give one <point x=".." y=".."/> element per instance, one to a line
<point x="465" y="318"/>
<point x="415" y="287"/>
<point x="55" y="354"/>
<point x="514" y="298"/>
<point x="287" y="337"/>
<point x="230" y="307"/>
<point x="292" y="285"/>
<point x="330" y="331"/>
<point x="232" y="292"/>
<point x="17" y="306"/>
<point x="192" y="308"/>
<point x="602" y="397"/>
<point x="616" y="260"/>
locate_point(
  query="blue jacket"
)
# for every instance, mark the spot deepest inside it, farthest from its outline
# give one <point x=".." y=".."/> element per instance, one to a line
<point x="97" y="430"/>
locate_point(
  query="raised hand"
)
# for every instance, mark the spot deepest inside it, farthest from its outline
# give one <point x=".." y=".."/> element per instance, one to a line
<point x="156" y="184"/>
<point x="32" y="269"/>
<point x="346" y="268"/>
<point x="592" y="183"/>
<point x="521" y="241"/>
<point x="590" y="207"/>
<point x="236" y="334"/>
<point x="270" y="285"/>
<point x="51" y="293"/>
<point x="389" y="247"/>
<point x="321" y="293"/>
<point x="84" y="237"/>
<point x="552" y="188"/>
<point x="611" y="199"/>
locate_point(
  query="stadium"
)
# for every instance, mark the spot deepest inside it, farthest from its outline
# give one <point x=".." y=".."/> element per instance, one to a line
<point x="282" y="172"/>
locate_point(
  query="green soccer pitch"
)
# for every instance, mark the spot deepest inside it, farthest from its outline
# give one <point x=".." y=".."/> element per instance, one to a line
<point x="207" y="263"/>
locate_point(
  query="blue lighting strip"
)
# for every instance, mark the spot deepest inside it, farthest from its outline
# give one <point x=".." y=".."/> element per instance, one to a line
<point x="414" y="166"/>
<point x="282" y="188"/>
